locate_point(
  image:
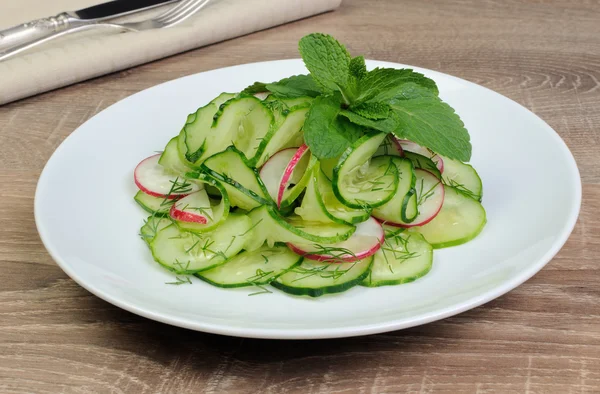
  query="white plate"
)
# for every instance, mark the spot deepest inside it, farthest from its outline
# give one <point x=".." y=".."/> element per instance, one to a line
<point x="89" y="223"/>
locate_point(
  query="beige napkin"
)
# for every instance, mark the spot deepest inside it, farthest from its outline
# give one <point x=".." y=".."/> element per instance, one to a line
<point x="79" y="57"/>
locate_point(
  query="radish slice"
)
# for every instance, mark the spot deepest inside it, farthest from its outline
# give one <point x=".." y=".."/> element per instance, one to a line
<point x="416" y="148"/>
<point x="152" y="179"/>
<point x="390" y="146"/>
<point x="366" y="240"/>
<point x="293" y="172"/>
<point x="193" y="208"/>
<point x="430" y="198"/>
<point x="272" y="171"/>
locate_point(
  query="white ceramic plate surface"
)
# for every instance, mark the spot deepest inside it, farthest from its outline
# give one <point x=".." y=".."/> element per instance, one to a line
<point x="89" y="223"/>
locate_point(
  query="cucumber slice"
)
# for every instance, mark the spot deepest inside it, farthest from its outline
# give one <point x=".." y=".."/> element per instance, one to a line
<point x="389" y="147"/>
<point x="460" y="220"/>
<point x="243" y="122"/>
<point x="423" y="163"/>
<point x="271" y="227"/>
<point x="216" y="211"/>
<point x="360" y="180"/>
<point x="258" y="267"/>
<point x="287" y="135"/>
<point x="404" y="201"/>
<point x="193" y="136"/>
<point x="462" y="177"/>
<point x="312" y="208"/>
<point x="156" y="205"/>
<point x="327" y="166"/>
<point x="403" y="258"/>
<point x="321" y="205"/>
<point x="186" y="253"/>
<point x="315" y="278"/>
<point x="409" y="146"/>
<point x="391" y="231"/>
<point x="152" y="226"/>
<point x="243" y="185"/>
<point x="171" y="160"/>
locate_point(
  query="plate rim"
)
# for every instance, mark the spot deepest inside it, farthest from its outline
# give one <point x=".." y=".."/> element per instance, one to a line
<point x="331" y="332"/>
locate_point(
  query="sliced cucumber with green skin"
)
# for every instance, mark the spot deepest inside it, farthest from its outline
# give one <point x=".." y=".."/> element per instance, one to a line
<point x="312" y="207"/>
<point x="152" y="226"/>
<point x="252" y="268"/>
<point x="230" y="169"/>
<point x="402" y="258"/>
<point x="409" y="146"/>
<point x="389" y="147"/>
<point x="360" y="180"/>
<point x="391" y="231"/>
<point x="156" y="205"/>
<point x="185" y="252"/>
<point x="271" y="227"/>
<point x="396" y="209"/>
<point x="460" y="220"/>
<point x="243" y="122"/>
<point x="321" y="205"/>
<point x="171" y="160"/>
<point x="193" y="136"/>
<point x="288" y="134"/>
<point x="215" y="211"/>
<point x="462" y="177"/>
<point x="314" y="278"/>
<point x="327" y="166"/>
<point x="423" y="163"/>
<point x="430" y="197"/>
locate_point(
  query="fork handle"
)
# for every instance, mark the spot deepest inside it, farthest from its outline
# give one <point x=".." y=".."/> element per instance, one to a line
<point x="35" y="30"/>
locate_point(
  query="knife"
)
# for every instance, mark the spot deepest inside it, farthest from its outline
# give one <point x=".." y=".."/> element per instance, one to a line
<point x="43" y="28"/>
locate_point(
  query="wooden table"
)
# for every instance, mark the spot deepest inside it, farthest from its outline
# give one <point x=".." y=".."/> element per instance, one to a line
<point x="543" y="337"/>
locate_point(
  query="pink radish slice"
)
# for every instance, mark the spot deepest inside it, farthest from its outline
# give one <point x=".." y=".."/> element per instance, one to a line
<point x="366" y="240"/>
<point x="290" y="175"/>
<point x="193" y="208"/>
<point x="416" y="148"/>
<point x="152" y="179"/>
<point x="272" y="171"/>
<point x="391" y="146"/>
<point x="430" y="198"/>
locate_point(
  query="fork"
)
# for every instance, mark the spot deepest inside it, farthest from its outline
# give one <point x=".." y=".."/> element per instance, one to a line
<point x="63" y="24"/>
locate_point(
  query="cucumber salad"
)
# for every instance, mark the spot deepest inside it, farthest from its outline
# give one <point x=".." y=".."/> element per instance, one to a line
<point x="315" y="183"/>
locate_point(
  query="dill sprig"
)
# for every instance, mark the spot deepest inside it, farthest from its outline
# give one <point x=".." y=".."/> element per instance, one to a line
<point x="180" y="281"/>
<point x="260" y="274"/>
<point x="462" y="189"/>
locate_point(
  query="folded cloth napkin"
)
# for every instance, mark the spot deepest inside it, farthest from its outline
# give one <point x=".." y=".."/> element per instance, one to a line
<point x="82" y="56"/>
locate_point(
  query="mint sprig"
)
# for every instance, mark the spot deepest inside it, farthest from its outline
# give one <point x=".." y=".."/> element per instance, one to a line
<point x="351" y="101"/>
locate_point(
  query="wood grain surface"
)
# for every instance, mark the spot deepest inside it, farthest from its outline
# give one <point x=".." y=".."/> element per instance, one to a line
<point x="543" y="337"/>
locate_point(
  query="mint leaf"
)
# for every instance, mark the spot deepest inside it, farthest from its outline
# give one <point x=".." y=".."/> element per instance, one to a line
<point x="383" y="84"/>
<point x="327" y="60"/>
<point x="295" y="86"/>
<point x="430" y="122"/>
<point x="256" y="87"/>
<point x="327" y="134"/>
<point x="373" y="111"/>
<point x="357" y="67"/>
<point x="388" y="125"/>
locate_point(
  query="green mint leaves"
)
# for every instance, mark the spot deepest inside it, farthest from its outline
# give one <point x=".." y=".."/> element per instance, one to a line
<point x="327" y="60"/>
<point x="326" y="133"/>
<point x="351" y="101"/>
